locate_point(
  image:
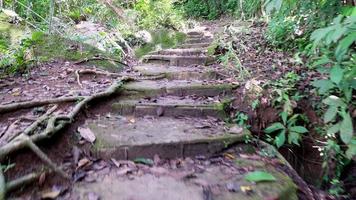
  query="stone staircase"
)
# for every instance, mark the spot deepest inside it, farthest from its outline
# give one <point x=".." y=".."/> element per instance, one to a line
<point x="179" y="117"/>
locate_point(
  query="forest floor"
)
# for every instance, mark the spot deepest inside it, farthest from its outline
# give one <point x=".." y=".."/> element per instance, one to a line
<point x="165" y="133"/>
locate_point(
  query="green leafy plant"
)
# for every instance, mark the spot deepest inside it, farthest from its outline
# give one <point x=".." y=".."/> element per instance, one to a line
<point x="338" y="66"/>
<point x="259" y="176"/>
<point x="241" y="119"/>
<point x="287" y="129"/>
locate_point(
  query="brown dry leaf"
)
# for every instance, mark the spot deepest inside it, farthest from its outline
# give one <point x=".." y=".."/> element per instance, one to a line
<point x="132" y="120"/>
<point x="116" y="163"/>
<point x="246" y="189"/>
<point x="230" y="156"/>
<point x="83" y="162"/>
<point x="87" y="134"/>
<point x="53" y="194"/>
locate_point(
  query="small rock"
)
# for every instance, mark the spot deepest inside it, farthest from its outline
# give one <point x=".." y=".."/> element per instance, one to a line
<point x="236" y="130"/>
<point x="232" y="187"/>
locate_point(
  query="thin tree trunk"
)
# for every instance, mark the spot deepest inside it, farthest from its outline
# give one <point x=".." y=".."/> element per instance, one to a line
<point x="51" y="13"/>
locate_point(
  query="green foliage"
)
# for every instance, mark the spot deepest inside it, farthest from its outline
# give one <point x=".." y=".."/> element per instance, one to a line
<point x="292" y="21"/>
<point x="157" y="14"/>
<point x="208" y="9"/>
<point x="338" y="65"/>
<point x="287" y="129"/>
<point x="241" y="119"/>
<point x="161" y="39"/>
<point x="259" y="176"/>
<point x="17" y="58"/>
<point x="212" y="9"/>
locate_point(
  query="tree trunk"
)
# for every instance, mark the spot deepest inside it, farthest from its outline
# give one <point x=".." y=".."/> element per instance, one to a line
<point x="51" y="13"/>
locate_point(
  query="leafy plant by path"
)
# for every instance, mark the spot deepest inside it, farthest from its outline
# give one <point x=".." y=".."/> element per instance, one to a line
<point x="259" y="176"/>
<point x="288" y="129"/>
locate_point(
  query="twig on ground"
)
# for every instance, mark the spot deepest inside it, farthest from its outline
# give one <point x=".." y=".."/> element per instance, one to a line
<point x="99" y="58"/>
<point x="36" y="103"/>
<point x="78" y="78"/>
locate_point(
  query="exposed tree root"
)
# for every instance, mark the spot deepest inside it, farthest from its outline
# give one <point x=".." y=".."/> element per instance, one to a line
<point x="30" y="128"/>
<point x="24" y="180"/>
<point x="92" y="71"/>
<point x="100" y="58"/>
<point x="54" y="124"/>
<point x="45" y="158"/>
<point x="36" y="103"/>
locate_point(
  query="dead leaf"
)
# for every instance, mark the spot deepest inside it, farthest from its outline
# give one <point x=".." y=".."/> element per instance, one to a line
<point x="230" y="156"/>
<point x="87" y="134"/>
<point x="53" y="194"/>
<point x="83" y="162"/>
<point x="246" y="189"/>
<point x="116" y="163"/>
<point x="123" y="171"/>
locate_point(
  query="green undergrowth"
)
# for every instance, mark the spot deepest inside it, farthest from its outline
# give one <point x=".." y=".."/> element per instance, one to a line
<point x="54" y="47"/>
<point x="162" y="39"/>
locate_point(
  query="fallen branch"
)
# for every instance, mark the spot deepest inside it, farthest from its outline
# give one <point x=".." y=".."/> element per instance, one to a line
<point x="99" y="58"/>
<point x="36" y="103"/>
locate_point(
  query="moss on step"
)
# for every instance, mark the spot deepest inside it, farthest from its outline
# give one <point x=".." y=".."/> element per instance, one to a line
<point x="55" y="47"/>
<point x="162" y="39"/>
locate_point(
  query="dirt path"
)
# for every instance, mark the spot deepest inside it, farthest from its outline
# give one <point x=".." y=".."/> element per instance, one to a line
<point x="164" y="137"/>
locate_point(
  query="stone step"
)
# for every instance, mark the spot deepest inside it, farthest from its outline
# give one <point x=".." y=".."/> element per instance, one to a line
<point x="143" y="137"/>
<point x="179" y="73"/>
<point x="199" y="40"/>
<point x="149" y="88"/>
<point x="181" y="52"/>
<point x="188" y="179"/>
<point x="195" y="45"/>
<point x="175" y="60"/>
<point x="195" y="33"/>
<point x="173" y="106"/>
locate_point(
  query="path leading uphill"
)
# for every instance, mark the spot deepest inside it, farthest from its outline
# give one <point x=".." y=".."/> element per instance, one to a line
<point x="165" y="137"/>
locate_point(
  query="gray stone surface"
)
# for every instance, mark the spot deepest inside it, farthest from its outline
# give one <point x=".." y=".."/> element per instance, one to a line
<point x="177" y="87"/>
<point x="129" y="137"/>
<point x="218" y="182"/>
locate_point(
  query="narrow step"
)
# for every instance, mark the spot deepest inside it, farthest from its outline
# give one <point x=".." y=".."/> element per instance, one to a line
<point x="187" y="179"/>
<point x="149" y="88"/>
<point x="195" y="33"/>
<point x="179" y="73"/>
<point x="144" y="137"/>
<point x="175" y="60"/>
<point x="173" y="106"/>
<point x="181" y="52"/>
<point x="195" y="45"/>
<point x="198" y="40"/>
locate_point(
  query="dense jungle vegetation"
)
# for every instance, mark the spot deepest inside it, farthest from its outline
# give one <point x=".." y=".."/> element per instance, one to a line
<point x="319" y="34"/>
